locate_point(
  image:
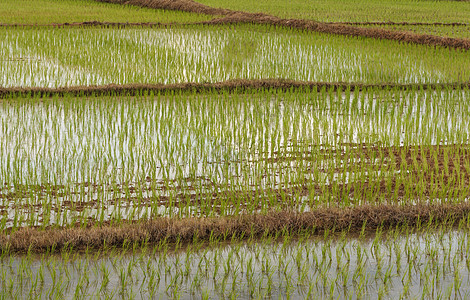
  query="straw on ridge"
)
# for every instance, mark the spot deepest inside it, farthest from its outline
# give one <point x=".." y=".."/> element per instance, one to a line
<point x="170" y="229"/>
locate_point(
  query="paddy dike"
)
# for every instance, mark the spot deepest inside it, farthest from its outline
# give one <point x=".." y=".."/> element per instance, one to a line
<point x="169" y="25"/>
<point x="356" y="219"/>
<point x="236" y="85"/>
<point x="182" y="5"/>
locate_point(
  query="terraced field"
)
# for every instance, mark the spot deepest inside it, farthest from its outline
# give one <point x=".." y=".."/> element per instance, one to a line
<point x="169" y="149"/>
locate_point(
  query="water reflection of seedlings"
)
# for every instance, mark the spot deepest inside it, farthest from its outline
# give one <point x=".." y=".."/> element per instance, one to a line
<point x="222" y="155"/>
<point x="97" y="56"/>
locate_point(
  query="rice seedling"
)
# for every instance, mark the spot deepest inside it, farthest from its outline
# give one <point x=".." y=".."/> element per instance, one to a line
<point x="265" y="193"/>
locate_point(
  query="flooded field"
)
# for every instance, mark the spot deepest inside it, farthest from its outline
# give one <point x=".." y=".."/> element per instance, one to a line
<point x="432" y="263"/>
<point x="97" y="56"/>
<point x="209" y="153"/>
<point x="219" y="155"/>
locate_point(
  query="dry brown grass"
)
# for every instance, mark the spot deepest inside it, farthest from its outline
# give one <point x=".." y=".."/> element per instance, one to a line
<point x="181" y="5"/>
<point x="185" y="230"/>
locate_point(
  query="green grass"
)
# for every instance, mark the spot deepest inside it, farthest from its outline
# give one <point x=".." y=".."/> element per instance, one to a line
<point x="94" y="56"/>
<point x="357" y="10"/>
<point x="67" y="11"/>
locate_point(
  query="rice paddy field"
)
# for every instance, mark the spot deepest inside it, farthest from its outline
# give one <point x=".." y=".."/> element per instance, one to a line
<point x="148" y="151"/>
<point x="83" y="56"/>
<point x="356" y="10"/>
<point x="44" y="12"/>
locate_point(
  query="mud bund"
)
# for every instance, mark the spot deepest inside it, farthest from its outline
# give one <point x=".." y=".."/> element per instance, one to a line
<point x="230" y="86"/>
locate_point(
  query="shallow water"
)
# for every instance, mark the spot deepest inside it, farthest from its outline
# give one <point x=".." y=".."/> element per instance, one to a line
<point x="144" y="155"/>
<point x="74" y="56"/>
<point x="417" y="265"/>
<point x="51" y="141"/>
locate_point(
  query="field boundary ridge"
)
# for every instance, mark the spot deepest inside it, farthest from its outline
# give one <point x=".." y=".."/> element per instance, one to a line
<point x="352" y="220"/>
<point x="230" y="86"/>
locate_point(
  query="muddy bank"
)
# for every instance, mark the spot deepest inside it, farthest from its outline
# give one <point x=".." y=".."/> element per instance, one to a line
<point x="185" y="230"/>
<point x="237" y="85"/>
<point x="91" y="24"/>
<point x="181" y="5"/>
<point x="168" y="25"/>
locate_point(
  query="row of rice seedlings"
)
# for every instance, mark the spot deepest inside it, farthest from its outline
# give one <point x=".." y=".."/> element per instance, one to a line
<point x="216" y="155"/>
<point x="96" y="56"/>
<point x="433" y="262"/>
